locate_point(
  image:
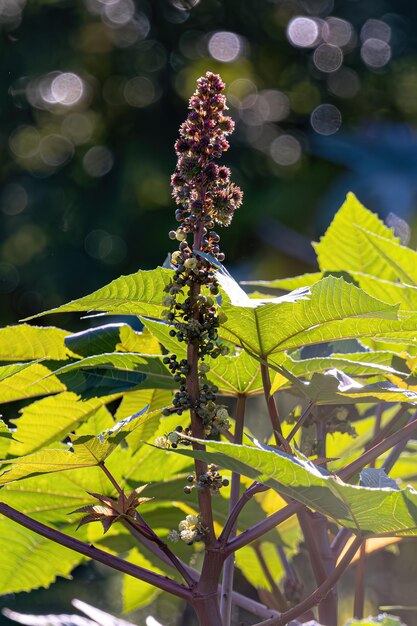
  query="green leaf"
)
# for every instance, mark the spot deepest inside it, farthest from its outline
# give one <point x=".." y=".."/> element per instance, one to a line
<point x="249" y="565"/>
<point x="333" y="309"/>
<point x="391" y="292"/>
<point x="136" y="593"/>
<point x="5" y="432"/>
<point x="111" y="338"/>
<point x="233" y="375"/>
<point x="353" y="364"/>
<point x="32" y="381"/>
<point x="401" y="260"/>
<point x="156" y="399"/>
<point x="11" y="370"/>
<point x="336" y="387"/>
<point x="150" y="464"/>
<point x="52" y="498"/>
<point x="376" y="478"/>
<point x="89" y="451"/>
<point x="364" y="510"/>
<point x="136" y="294"/>
<point x="287" y="284"/>
<point x="149" y="370"/>
<point x="45" y="462"/>
<point x="30" y="561"/>
<point x="345" y="247"/>
<point x="50" y="420"/>
<point x="26" y="343"/>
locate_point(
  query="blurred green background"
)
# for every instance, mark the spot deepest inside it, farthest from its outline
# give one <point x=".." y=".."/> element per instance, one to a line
<point x="91" y="96"/>
<point x="92" y="92"/>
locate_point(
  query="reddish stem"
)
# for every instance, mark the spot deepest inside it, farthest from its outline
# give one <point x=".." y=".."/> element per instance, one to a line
<point x="158" y="581"/>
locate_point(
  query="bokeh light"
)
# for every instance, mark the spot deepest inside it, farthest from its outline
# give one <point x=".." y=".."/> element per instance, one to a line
<point x="303" y="32"/>
<point x="139" y="91"/>
<point x="286" y="150"/>
<point x="67" y="88"/>
<point x="328" y="58"/>
<point x="105" y="247"/>
<point x="225" y="46"/>
<point x="375" y="52"/>
<point x="98" y="161"/>
<point x="375" y="29"/>
<point x="326" y="119"/>
<point x="337" y="32"/>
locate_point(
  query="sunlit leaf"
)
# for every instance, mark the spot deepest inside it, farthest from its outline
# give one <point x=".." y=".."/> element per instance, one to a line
<point x="365" y="510"/>
<point x="26" y="343"/>
<point x="136" y="294"/>
<point x="344" y="246"/>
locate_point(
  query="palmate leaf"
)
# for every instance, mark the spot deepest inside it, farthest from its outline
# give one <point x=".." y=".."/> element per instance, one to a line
<point x="26" y="343"/>
<point x="332" y="309"/>
<point x="336" y="387"/>
<point x="39" y="380"/>
<point x="52" y="498"/>
<point x="404" y="295"/>
<point x="111" y="338"/>
<point x="88" y="451"/>
<point x="136" y="294"/>
<point x="364" y="510"/>
<point x="149" y="370"/>
<point x="30" y="382"/>
<point x="51" y="419"/>
<point x="233" y="375"/>
<point x="401" y="260"/>
<point x="344" y="246"/>
<point x="354" y="364"/>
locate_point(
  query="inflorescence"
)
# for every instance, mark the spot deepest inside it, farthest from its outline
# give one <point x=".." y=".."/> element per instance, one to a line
<point x="205" y="197"/>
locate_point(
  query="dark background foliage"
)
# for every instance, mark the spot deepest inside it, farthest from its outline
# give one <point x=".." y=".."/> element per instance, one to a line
<point x="92" y="94"/>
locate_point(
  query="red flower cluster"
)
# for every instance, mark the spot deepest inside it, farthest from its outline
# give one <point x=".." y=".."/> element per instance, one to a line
<point x="201" y="188"/>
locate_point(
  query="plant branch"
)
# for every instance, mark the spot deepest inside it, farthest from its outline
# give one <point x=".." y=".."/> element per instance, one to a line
<point x="264" y="526"/>
<point x="250" y="605"/>
<point x="382" y="433"/>
<point x="403" y="434"/>
<point x="321" y="592"/>
<point x="111" y="478"/>
<point x="359" y="599"/>
<point x="229" y="565"/>
<point x="397" y="450"/>
<point x="300" y="421"/>
<point x="270" y="402"/>
<point x="162" y="548"/>
<point x="234" y="514"/>
<point x="115" y="562"/>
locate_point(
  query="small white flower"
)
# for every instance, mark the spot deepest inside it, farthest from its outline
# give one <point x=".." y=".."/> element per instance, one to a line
<point x="174" y="536"/>
<point x="162" y="442"/>
<point x="192" y="520"/>
<point x="188" y="535"/>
